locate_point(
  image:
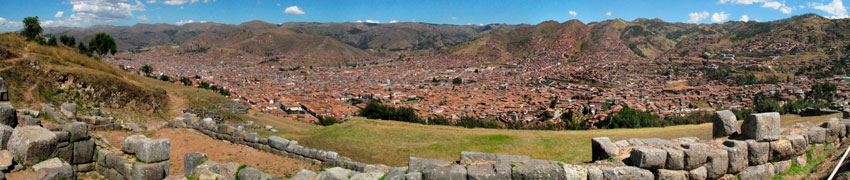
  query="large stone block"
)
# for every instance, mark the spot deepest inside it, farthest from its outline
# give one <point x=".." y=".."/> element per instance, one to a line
<point x="227" y="170"/>
<point x="648" y="157"/>
<point x="8" y="115"/>
<point x="781" y="150"/>
<point x="718" y="163"/>
<point x="6" y="161"/>
<point x="603" y="148"/>
<point x="664" y="174"/>
<point x="628" y="172"/>
<point x="132" y="143"/>
<point x="398" y="173"/>
<point x="782" y="166"/>
<point x="367" y="176"/>
<point x="308" y="175"/>
<point x="154" y="150"/>
<point x="799" y="144"/>
<point x="453" y="172"/>
<point x="483" y="171"/>
<point x="335" y="173"/>
<point x="594" y="173"/>
<point x="759" y="172"/>
<point x="415" y="164"/>
<point x="576" y="172"/>
<point x="254" y="174"/>
<point x="31" y="144"/>
<point x="53" y="169"/>
<point x="675" y="159"/>
<point x="737" y="155"/>
<point x="77" y="131"/>
<point x="413" y="176"/>
<point x="762" y="126"/>
<point x="83" y="151"/>
<point x="758" y="152"/>
<point x="253" y="138"/>
<point x="278" y="143"/>
<point x="69" y="110"/>
<point x="834" y="129"/>
<point x="5" y="134"/>
<point x="694" y="155"/>
<point x="537" y="170"/>
<point x="192" y="160"/>
<point x="816" y="135"/>
<point x="725" y="123"/>
<point x="145" y="171"/>
<point x="700" y="173"/>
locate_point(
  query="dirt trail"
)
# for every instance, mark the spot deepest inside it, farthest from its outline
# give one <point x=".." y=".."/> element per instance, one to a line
<point x="176" y="104"/>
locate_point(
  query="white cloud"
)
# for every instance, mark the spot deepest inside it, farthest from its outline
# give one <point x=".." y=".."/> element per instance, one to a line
<point x="696" y="17"/>
<point x="393" y="21"/>
<point x="359" y="21"/>
<point x="142" y="17"/>
<point x="58" y="14"/>
<point x="608" y="13"/>
<point x="294" y="10"/>
<point x="175" y="2"/>
<point x="719" y="17"/>
<point x="373" y="21"/>
<point x="87" y="12"/>
<point x="775" y="5"/>
<point x="182" y="22"/>
<point x="278" y="4"/>
<point x="453" y="18"/>
<point x="151" y="1"/>
<point x="745" y="18"/>
<point x="573" y="13"/>
<point x="9" y="24"/>
<point x="836" y="9"/>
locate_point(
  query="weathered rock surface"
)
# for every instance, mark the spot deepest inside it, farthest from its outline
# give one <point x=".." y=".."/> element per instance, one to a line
<point x="192" y="160"/>
<point x="603" y="148"/>
<point x="453" y="172"/>
<point x="760" y="172"/>
<point x="6" y="158"/>
<point x="83" y="151"/>
<point x="781" y="150"/>
<point x="5" y="134"/>
<point x="737" y="155"/>
<point x="694" y="154"/>
<point x="398" y="173"/>
<point x="8" y="115"/>
<point x="144" y="171"/>
<point x="254" y="174"/>
<point x="725" y="123"/>
<point x="307" y="175"/>
<point x="132" y="143"/>
<point x="675" y="159"/>
<point x="537" y="170"/>
<point x="628" y="172"/>
<point x="816" y="135"/>
<point x="483" y="171"/>
<point x="69" y="110"/>
<point x="415" y="164"/>
<point x="53" y="169"/>
<point x="154" y="150"/>
<point x="664" y="174"/>
<point x="648" y="157"/>
<point x="700" y="173"/>
<point x="718" y="163"/>
<point x="758" y="152"/>
<point x="30" y="144"/>
<point x="762" y="126"/>
<point x="576" y="172"/>
<point x="77" y="131"/>
<point x="278" y="143"/>
<point x="335" y="173"/>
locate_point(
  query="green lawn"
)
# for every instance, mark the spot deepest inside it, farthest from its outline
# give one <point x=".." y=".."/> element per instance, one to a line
<point x="391" y="142"/>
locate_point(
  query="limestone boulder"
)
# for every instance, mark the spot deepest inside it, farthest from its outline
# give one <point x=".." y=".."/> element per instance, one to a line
<point x="308" y="175"/>
<point x="718" y="163"/>
<point x="799" y="145"/>
<point x="759" y="172"/>
<point x="413" y="176"/>
<point x="415" y="164"/>
<point x="725" y="123"/>
<point x="576" y="172"/>
<point x="367" y="176"/>
<point x="6" y="160"/>
<point x="335" y="173"/>
<point x="8" y="115"/>
<point x="758" y="152"/>
<point x="675" y="159"/>
<point x="762" y="126"/>
<point x="69" y="110"/>
<point x="781" y="150"/>
<point x="53" y="169"/>
<point x="77" y="131"/>
<point x="648" y="157"/>
<point x="254" y="174"/>
<point x="144" y="171"/>
<point x="453" y="172"/>
<point x="483" y="171"/>
<point x="782" y="166"/>
<point x="603" y="148"/>
<point x="700" y="173"/>
<point x="538" y="170"/>
<point x="594" y="173"/>
<point x="816" y="135"/>
<point x="664" y="174"/>
<point x="398" y="173"/>
<point x="694" y="154"/>
<point x="737" y="155"/>
<point x="30" y="144"/>
<point x="132" y="143"/>
<point x="192" y="160"/>
<point x="154" y="150"/>
<point x="83" y="151"/>
<point x="627" y="172"/>
<point x="5" y="134"/>
<point x="278" y="143"/>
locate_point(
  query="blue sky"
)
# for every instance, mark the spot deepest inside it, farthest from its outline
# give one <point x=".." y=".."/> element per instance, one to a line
<point x="84" y="13"/>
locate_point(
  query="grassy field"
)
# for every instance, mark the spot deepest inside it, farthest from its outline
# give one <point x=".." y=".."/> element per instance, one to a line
<point x="391" y="143"/>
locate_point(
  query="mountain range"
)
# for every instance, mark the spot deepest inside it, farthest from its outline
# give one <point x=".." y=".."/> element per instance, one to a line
<point x="808" y="34"/>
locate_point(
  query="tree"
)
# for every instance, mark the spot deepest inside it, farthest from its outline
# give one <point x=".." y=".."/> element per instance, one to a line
<point x="83" y="49"/>
<point x="102" y="44"/>
<point x="186" y="81"/>
<point x="164" y="77"/>
<point x="51" y="41"/>
<point x="67" y="40"/>
<point x="147" y="69"/>
<point x="457" y="80"/>
<point x="32" y="28"/>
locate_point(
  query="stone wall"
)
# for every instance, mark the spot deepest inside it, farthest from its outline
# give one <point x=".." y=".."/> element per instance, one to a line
<point x="139" y="158"/>
<point x="759" y="150"/>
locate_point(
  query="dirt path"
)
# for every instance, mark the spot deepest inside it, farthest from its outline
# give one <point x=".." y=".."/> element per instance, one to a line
<point x="176" y="104"/>
<point x="186" y="141"/>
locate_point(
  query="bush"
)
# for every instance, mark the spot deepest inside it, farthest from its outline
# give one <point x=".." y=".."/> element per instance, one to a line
<point x="376" y="110"/>
<point x="327" y="121"/>
<point x="632" y="118"/>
